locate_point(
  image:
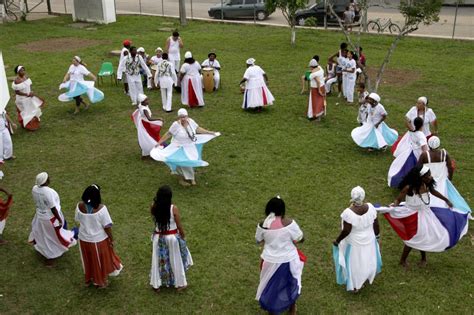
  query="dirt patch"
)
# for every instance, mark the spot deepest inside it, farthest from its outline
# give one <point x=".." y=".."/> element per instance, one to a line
<point x="60" y="44"/>
<point x="395" y="77"/>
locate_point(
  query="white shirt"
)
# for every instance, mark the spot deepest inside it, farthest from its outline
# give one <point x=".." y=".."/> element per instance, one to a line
<point x="213" y="64"/>
<point x="77" y="73"/>
<point x="92" y="225"/>
<point x="131" y="66"/>
<point x="428" y="118"/>
<point x="191" y="69"/>
<point x="173" y="50"/>
<point x="376" y="113"/>
<point x="3" y="120"/>
<point x="254" y="75"/>
<point x="279" y="246"/>
<point x="142" y="109"/>
<point x="156" y="60"/>
<point x="173" y="225"/>
<point x="316" y="75"/>
<point x="350" y="64"/>
<point x="45" y="199"/>
<point x="183" y="135"/>
<point x="417" y="139"/>
<point x="362" y="232"/>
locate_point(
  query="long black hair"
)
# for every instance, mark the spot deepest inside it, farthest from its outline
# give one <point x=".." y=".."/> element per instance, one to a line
<point x="418" y="123"/>
<point x="275" y="205"/>
<point x="91" y="196"/>
<point x="161" y="208"/>
<point x="414" y="181"/>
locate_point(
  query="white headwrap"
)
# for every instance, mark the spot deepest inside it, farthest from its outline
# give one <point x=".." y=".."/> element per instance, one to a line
<point x="141" y="97"/>
<point x="182" y="112"/>
<point x="41" y="178"/>
<point x="78" y="59"/>
<point x="313" y="63"/>
<point x="434" y="142"/>
<point x="188" y="55"/>
<point x="159" y="49"/>
<point x="250" y="61"/>
<point x="423" y="99"/>
<point x="141" y="49"/>
<point x="424" y="170"/>
<point x="375" y="97"/>
<point x="19" y="68"/>
<point x="357" y="195"/>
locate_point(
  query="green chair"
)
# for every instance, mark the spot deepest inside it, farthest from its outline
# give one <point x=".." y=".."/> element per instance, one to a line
<point x="106" y="70"/>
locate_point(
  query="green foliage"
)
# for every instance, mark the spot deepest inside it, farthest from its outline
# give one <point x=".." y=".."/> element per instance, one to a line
<point x="420" y="11"/>
<point x="311" y="21"/>
<point x="288" y="8"/>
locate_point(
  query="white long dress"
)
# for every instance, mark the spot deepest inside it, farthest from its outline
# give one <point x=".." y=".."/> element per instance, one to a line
<point x="29" y="107"/>
<point x="49" y="238"/>
<point x="191" y="85"/>
<point x="357" y="258"/>
<point x="148" y="132"/>
<point x="256" y="92"/>
<point x="170" y="257"/>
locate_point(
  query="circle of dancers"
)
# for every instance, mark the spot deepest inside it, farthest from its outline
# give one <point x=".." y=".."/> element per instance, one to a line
<point x="429" y="214"/>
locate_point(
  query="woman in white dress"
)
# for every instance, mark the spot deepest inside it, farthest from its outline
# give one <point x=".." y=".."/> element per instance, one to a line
<point x="407" y="159"/>
<point x="173" y="47"/>
<point x="281" y="260"/>
<point x="356" y="250"/>
<point x="183" y="153"/>
<point x="256" y="94"/>
<point x="191" y="83"/>
<point x="170" y="255"/>
<point x="28" y="105"/>
<point x="317" y="93"/>
<point x="349" y="72"/>
<point x="95" y="239"/>
<point x="48" y="228"/>
<point x="148" y="128"/>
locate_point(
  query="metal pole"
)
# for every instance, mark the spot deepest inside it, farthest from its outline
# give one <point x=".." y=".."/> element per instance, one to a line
<point x="222" y="9"/>
<point x="455" y="17"/>
<point x="140" y="6"/>
<point x="162" y="8"/>
<point x="65" y="8"/>
<point x="325" y="15"/>
<point x="182" y="12"/>
<point x="2" y="10"/>
<point x="48" y="4"/>
<point x="192" y="15"/>
<point x="254" y="14"/>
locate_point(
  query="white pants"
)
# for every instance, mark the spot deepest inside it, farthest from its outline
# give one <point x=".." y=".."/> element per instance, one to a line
<point x="2" y="226"/>
<point x="217" y="79"/>
<point x="166" y="97"/>
<point x="135" y="87"/>
<point x="344" y="83"/>
<point x="329" y="84"/>
<point x="186" y="172"/>
<point x="349" y="88"/>
<point x="6" y="145"/>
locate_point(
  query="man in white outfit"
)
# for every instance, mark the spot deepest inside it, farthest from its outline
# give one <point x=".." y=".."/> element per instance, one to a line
<point x="211" y="62"/>
<point x="125" y="51"/>
<point x="6" y="144"/>
<point x="131" y="66"/>
<point x="173" y="45"/>
<point x="165" y="78"/>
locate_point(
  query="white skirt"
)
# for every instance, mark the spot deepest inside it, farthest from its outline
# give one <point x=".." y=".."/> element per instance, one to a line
<point x="191" y="91"/>
<point x="367" y="136"/>
<point x="257" y="97"/>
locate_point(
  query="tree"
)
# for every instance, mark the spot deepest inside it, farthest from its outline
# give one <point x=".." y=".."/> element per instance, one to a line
<point x="182" y="12"/>
<point x="415" y="12"/>
<point x="288" y="9"/>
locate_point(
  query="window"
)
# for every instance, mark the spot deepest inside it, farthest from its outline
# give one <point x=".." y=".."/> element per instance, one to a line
<point x="236" y="2"/>
<point x="251" y="1"/>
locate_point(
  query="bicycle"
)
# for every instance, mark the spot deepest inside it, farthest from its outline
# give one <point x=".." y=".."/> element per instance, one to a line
<point x="10" y="15"/>
<point x="379" y="27"/>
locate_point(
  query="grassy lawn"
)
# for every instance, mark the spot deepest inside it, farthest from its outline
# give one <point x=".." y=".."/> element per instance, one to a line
<point x="313" y="167"/>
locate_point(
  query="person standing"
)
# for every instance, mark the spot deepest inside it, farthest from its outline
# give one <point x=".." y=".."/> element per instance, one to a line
<point x="356" y="250"/>
<point x="6" y="143"/>
<point x="191" y="82"/>
<point x="256" y="94"/>
<point x="317" y="94"/>
<point x="173" y="47"/>
<point x="49" y="234"/>
<point x="281" y="263"/>
<point x="148" y="128"/>
<point x="165" y="78"/>
<point x="350" y="76"/>
<point x="363" y="114"/>
<point x="28" y="105"/>
<point x="5" y="206"/>
<point x="212" y="62"/>
<point x="95" y="239"/>
<point x="146" y="81"/>
<point x="171" y="258"/>
<point x="123" y="53"/>
<point x="130" y="65"/>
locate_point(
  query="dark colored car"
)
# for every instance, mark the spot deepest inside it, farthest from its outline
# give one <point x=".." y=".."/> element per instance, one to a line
<point x="318" y="11"/>
<point x="233" y="9"/>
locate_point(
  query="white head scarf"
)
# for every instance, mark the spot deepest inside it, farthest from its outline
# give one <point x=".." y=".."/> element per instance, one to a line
<point x="159" y="49"/>
<point x="424" y="170"/>
<point x="250" y="61"/>
<point x="41" y="178"/>
<point x="78" y="59"/>
<point x="141" y="49"/>
<point x="19" y="68"/>
<point x="375" y="97"/>
<point x="434" y="142"/>
<point x="357" y="195"/>
<point x="182" y="112"/>
<point x="188" y="55"/>
<point x="313" y="63"/>
<point x="423" y="99"/>
<point x="141" y="98"/>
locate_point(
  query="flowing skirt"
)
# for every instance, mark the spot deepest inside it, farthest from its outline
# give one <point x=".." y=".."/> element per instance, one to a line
<point x="99" y="261"/>
<point x="280" y="285"/>
<point x="316" y="104"/>
<point x="148" y="132"/>
<point x="78" y="88"/>
<point x="367" y="136"/>
<point x="170" y="261"/>
<point x="257" y="97"/>
<point x="356" y="264"/>
<point x="191" y="91"/>
<point x="402" y="165"/>
<point x="29" y="111"/>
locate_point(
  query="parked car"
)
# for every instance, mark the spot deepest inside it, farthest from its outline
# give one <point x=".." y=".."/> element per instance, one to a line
<point x="318" y="11"/>
<point x="240" y="9"/>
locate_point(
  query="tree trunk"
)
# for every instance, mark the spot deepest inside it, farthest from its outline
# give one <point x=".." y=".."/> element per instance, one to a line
<point x="293" y="36"/>
<point x="386" y="60"/>
<point x="182" y="12"/>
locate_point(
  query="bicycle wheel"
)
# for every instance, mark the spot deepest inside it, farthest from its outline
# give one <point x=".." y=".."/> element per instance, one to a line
<point x="373" y="26"/>
<point x="394" y="28"/>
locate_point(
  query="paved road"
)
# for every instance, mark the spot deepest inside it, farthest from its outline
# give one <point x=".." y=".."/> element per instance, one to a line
<point x="198" y="9"/>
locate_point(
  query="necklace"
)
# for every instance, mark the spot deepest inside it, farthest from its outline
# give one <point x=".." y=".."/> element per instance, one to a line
<point x="191" y="135"/>
<point x="429" y="198"/>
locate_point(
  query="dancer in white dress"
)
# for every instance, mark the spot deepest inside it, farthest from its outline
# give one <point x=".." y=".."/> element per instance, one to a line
<point x="212" y="62"/>
<point x="170" y="255"/>
<point x="28" y="105"/>
<point x="356" y="250"/>
<point x="148" y="128"/>
<point x="130" y="65"/>
<point x="191" y="82"/>
<point x="349" y="76"/>
<point x="173" y="47"/>
<point x="6" y="143"/>
<point x="317" y="93"/>
<point x="165" y="78"/>
<point x="48" y="228"/>
<point x="257" y="94"/>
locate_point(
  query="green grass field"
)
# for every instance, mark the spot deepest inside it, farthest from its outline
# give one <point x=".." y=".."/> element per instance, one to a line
<point x="313" y="167"/>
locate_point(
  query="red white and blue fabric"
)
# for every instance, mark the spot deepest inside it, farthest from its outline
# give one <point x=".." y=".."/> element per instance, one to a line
<point x="77" y="88"/>
<point x="148" y="132"/>
<point x="367" y="136"/>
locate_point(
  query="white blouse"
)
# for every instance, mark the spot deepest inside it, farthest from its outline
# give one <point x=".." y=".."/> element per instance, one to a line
<point x="428" y="118"/>
<point x="362" y="232"/>
<point x="317" y="75"/>
<point x="279" y="246"/>
<point x="77" y="73"/>
<point x="92" y="225"/>
<point x="417" y="139"/>
<point x="182" y="135"/>
<point x="254" y="76"/>
<point x="45" y="199"/>
<point x="23" y="87"/>
<point x="142" y="109"/>
<point x="191" y="69"/>
<point x="376" y="113"/>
